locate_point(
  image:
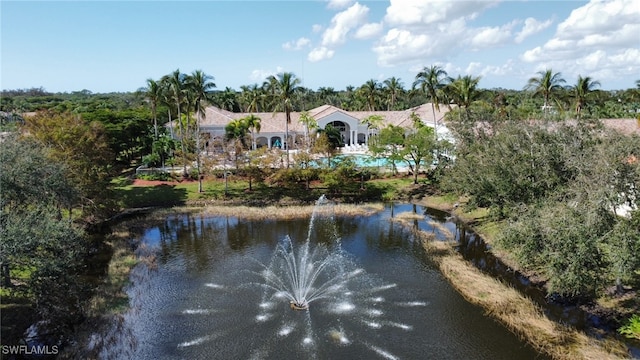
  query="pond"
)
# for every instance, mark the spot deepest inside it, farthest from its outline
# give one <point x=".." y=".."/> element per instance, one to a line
<point x="224" y="289"/>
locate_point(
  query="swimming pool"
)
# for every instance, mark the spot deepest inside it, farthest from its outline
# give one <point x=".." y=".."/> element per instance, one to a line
<point x="362" y="161"/>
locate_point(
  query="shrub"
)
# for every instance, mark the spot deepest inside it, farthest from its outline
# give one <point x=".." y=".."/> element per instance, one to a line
<point x="631" y="329"/>
<point x="156" y="176"/>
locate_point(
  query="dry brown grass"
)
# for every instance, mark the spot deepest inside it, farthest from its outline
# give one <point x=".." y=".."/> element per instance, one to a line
<point x="289" y="212"/>
<point x="515" y="311"/>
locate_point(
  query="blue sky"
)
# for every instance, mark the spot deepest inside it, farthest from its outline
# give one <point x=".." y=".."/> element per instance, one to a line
<point x="106" y="46"/>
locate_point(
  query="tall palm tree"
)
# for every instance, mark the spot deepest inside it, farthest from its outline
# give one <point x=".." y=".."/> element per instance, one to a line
<point x="200" y="86"/>
<point x="153" y="93"/>
<point x="286" y="85"/>
<point x="581" y="91"/>
<point x="430" y="81"/>
<point x="393" y="87"/>
<point x="545" y="84"/>
<point x="176" y="87"/>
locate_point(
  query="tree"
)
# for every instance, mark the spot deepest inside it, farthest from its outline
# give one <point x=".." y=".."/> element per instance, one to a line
<point x="370" y="91"/>
<point x="418" y="148"/>
<point x="253" y="97"/>
<point x="327" y="95"/>
<point x="581" y="92"/>
<point x="199" y="85"/>
<point x="546" y="84"/>
<point x="252" y="123"/>
<point x="83" y="147"/>
<point x="373" y="122"/>
<point x="309" y="124"/>
<point x="36" y="240"/>
<point x="328" y="142"/>
<point x="153" y="94"/>
<point x="175" y="83"/>
<point x="389" y="143"/>
<point x="463" y="91"/>
<point x="285" y="86"/>
<point x="393" y="87"/>
<point x="227" y="99"/>
<point x="236" y="132"/>
<point x="430" y="81"/>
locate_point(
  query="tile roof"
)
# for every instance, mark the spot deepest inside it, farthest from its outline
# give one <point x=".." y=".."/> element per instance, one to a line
<point x="274" y="121"/>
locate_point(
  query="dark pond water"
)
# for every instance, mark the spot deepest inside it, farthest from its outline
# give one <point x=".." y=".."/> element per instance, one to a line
<point x="206" y="300"/>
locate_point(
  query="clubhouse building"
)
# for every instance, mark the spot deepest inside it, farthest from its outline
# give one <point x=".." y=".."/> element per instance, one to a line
<point x="351" y="124"/>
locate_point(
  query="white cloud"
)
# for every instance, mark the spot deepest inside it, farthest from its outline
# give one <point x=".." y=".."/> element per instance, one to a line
<point x="600" y="37"/>
<point x="320" y="53"/>
<point x="399" y="46"/>
<point x="486" y="37"/>
<point x="261" y="74"/>
<point x="296" y="45"/>
<point x="473" y="68"/>
<point x="316" y="28"/>
<point x="342" y="23"/>
<point x="531" y="27"/>
<point x="604" y="17"/>
<point x="421" y="12"/>
<point x="339" y="4"/>
<point x="422" y="29"/>
<point x="368" y="31"/>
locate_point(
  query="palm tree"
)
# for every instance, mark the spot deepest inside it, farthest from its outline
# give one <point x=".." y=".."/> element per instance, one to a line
<point x="373" y="122"/>
<point x="200" y="86"/>
<point x="227" y="100"/>
<point x="153" y="94"/>
<point x="176" y="87"/>
<point x="309" y="124"/>
<point x="371" y="91"/>
<point x="393" y="87"/>
<point x="327" y="95"/>
<point x="252" y="123"/>
<point x="286" y="84"/>
<point x="581" y="91"/>
<point x="166" y="98"/>
<point x="430" y="81"/>
<point x="253" y="97"/>
<point x="236" y="130"/>
<point x="546" y="84"/>
<point x="464" y="91"/>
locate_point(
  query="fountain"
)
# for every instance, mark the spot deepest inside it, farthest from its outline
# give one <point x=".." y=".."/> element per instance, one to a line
<point x="312" y="273"/>
<point x="309" y="274"/>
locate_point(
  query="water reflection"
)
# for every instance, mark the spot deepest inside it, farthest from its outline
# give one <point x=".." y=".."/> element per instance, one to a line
<point x="199" y="302"/>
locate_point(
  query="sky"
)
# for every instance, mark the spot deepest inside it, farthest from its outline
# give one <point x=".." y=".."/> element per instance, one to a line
<point x="115" y="46"/>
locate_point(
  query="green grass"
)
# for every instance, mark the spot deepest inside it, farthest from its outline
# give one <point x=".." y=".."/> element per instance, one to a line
<point x="177" y="194"/>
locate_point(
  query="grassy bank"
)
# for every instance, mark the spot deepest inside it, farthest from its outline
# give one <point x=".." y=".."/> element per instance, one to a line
<point x="104" y="312"/>
<point x="515" y="311"/>
<point x="575" y="344"/>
